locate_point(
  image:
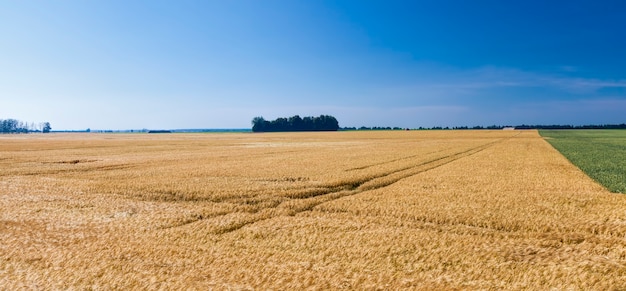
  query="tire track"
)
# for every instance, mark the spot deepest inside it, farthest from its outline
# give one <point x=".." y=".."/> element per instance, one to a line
<point x="395" y="160"/>
<point x="301" y="204"/>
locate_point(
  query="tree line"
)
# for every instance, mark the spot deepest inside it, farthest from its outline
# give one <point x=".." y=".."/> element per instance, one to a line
<point x="16" y="126"/>
<point x="588" y="126"/>
<point x="544" y="126"/>
<point x="296" y="123"/>
<point x="523" y="126"/>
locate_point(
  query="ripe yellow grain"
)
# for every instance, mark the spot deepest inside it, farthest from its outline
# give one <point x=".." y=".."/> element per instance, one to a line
<point x="338" y="210"/>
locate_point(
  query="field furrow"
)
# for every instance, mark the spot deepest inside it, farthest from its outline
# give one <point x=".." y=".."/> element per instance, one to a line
<point x="307" y="198"/>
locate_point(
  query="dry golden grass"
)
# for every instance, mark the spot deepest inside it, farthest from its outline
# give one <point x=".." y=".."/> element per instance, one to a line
<point x="334" y="210"/>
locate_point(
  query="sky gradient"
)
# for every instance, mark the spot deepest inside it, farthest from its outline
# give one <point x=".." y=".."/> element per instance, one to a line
<point x="217" y="64"/>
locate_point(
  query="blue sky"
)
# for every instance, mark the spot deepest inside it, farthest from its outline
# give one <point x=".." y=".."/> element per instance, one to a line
<point x="218" y="64"/>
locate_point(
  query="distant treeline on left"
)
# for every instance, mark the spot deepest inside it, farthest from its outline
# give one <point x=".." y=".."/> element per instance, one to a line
<point x="16" y="126"/>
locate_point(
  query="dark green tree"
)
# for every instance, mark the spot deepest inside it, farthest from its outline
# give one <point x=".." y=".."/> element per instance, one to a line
<point x="296" y="123"/>
<point x="46" y="127"/>
<point x="258" y="124"/>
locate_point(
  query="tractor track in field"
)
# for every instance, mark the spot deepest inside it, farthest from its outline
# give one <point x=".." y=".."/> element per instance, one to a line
<point x="300" y="204"/>
<point x="394" y="160"/>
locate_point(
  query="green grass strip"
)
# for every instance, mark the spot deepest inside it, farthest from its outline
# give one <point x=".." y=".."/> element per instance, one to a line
<point x="599" y="153"/>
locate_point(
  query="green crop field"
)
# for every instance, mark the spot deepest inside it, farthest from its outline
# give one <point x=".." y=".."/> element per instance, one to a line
<point x="599" y="153"/>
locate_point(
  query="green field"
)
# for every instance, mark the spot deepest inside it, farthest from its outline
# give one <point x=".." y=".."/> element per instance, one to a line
<point x="599" y="153"/>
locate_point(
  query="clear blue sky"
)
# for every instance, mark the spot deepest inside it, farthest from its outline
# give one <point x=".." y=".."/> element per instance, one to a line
<point x="217" y="64"/>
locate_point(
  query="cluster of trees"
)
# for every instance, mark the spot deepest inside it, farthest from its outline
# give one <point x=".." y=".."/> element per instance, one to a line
<point x="296" y="123"/>
<point x="16" y="126"/>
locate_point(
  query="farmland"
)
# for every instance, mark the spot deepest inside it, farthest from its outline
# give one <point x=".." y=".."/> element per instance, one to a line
<point x="599" y="153"/>
<point x="331" y="210"/>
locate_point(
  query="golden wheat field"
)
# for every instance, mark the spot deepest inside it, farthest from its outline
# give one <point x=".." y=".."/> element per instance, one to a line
<point x="288" y="211"/>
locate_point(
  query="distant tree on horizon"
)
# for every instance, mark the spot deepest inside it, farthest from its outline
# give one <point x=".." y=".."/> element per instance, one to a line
<point x="15" y="126"/>
<point x="295" y="123"/>
<point x="46" y="127"/>
<point x="258" y="124"/>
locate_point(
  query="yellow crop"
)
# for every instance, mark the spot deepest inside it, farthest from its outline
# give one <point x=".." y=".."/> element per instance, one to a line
<point x="333" y="210"/>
